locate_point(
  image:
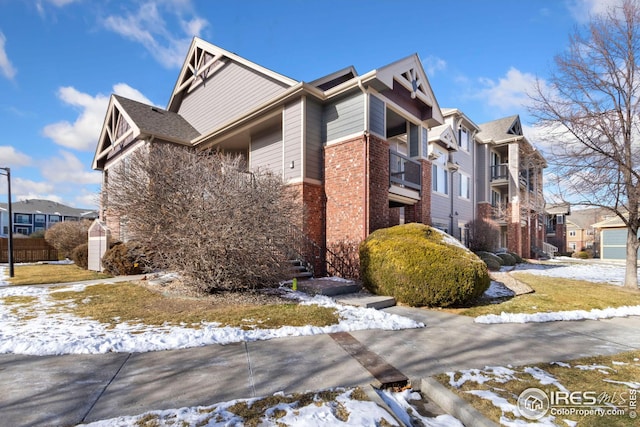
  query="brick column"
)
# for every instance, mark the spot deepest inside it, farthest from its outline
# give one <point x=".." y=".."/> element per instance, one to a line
<point x="514" y="229"/>
<point x="378" y="200"/>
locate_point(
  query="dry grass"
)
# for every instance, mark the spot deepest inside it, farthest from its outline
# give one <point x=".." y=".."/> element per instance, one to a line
<point x="19" y="305"/>
<point x="133" y="303"/>
<point x="558" y="294"/>
<point x="35" y="274"/>
<point x="626" y="368"/>
<point x="255" y="413"/>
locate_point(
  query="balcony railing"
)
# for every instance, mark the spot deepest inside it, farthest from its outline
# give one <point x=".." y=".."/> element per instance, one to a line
<point x="404" y="171"/>
<point x="499" y="172"/>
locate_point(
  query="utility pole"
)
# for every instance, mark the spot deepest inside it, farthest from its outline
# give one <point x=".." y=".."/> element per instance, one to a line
<point x="10" y="212"/>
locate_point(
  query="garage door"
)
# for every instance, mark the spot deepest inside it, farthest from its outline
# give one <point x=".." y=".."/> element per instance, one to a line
<point x="614" y="243"/>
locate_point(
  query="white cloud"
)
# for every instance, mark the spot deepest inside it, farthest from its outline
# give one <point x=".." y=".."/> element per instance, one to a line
<point x="509" y="93"/>
<point x="83" y="133"/>
<point x="583" y="10"/>
<point x="68" y="168"/>
<point x="433" y="65"/>
<point x="6" y="67"/>
<point x="148" y="27"/>
<point x="12" y="158"/>
<point x="27" y="189"/>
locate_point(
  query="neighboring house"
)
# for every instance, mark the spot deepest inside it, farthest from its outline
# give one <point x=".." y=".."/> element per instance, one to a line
<point x="613" y="238"/>
<point x="580" y="232"/>
<point x="509" y="185"/>
<point x="557" y="225"/>
<point x="34" y="215"/>
<point x="365" y="151"/>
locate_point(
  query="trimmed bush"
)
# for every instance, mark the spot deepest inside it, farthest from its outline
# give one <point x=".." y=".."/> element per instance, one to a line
<point x="489" y="255"/>
<point x="492" y="264"/>
<point x="582" y="255"/>
<point x="80" y="256"/>
<point x="421" y="266"/>
<point x="507" y="259"/>
<point x="517" y="257"/>
<point x="124" y="259"/>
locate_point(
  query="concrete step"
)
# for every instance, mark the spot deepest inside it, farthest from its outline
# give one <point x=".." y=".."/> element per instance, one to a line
<point x="367" y="300"/>
<point x="328" y="286"/>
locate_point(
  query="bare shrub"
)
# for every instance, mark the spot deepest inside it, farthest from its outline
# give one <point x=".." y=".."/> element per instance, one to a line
<point x="124" y="259"/>
<point x="484" y="235"/>
<point x="66" y="236"/>
<point x="203" y="214"/>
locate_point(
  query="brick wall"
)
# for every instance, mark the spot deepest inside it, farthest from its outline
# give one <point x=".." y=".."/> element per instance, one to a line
<point x="378" y="183"/>
<point x="485" y="211"/>
<point x="514" y="229"/>
<point x="345" y="190"/>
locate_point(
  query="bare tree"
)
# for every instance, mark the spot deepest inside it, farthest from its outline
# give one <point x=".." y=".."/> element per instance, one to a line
<point x="66" y="236"/>
<point x="203" y="214"/>
<point x="590" y="107"/>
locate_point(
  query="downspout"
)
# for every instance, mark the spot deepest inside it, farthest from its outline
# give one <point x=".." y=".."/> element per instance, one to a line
<point x="366" y="154"/>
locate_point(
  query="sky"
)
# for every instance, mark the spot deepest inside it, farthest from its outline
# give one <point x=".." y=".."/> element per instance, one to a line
<point x="60" y="60"/>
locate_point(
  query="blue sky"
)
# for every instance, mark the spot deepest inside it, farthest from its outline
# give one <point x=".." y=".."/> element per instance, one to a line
<point x="61" y="59"/>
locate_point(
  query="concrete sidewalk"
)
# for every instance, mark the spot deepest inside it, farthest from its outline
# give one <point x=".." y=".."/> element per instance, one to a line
<point x="67" y="390"/>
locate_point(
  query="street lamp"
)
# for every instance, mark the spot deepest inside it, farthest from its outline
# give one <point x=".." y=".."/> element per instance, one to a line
<point x="10" y="240"/>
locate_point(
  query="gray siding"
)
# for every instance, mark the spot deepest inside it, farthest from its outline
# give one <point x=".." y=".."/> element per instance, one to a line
<point x="343" y="117"/>
<point x="232" y="91"/>
<point x="614" y="243"/>
<point x="314" y="148"/>
<point x="440" y="206"/>
<point x="482" y="177"/>
<point x="376" y="115"/>
<point x="266" y="151"/>
<point x="292" y="140"/>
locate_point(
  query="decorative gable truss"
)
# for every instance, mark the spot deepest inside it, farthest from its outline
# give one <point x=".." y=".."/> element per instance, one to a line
<point x="516" y="127"/>
<point x="200" y="65"/>
<point x="118" y="130"/>
<point x="410" y="74"/>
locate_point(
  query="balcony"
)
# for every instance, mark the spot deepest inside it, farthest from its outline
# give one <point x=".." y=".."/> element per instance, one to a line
<point x="405" y="179"/>
<point x="500" y="175"/>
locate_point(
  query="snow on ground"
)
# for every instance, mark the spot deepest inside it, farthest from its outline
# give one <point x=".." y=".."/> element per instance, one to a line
<point x="45" y="333"/>
<point x="343" y="411"/>
<point x="400" y="404"/>
<point x="590" y="271"/>
<point x="541" y="379"/>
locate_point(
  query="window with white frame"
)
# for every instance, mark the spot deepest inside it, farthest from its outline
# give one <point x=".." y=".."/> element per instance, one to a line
<point x="463" y="138"/>
<point x="464" y="186"/>
<point x="573" y="246"/>
<point x="572" y="233"/>
<point x="560" y="219"/>
<point x="440" y="174"/>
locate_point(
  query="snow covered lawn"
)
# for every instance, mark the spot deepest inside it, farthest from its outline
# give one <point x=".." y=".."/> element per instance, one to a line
<point x="29" y="326"/>
<point x="604" y="391"/>
<point x="558" y="300"/>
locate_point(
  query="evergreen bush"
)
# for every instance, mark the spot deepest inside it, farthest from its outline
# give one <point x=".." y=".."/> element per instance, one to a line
<point x="489" y="255"/>
<point x="421" y="266"/>
<point x="492" y="264"/>
<point x="507" y="259"/>
<point x="80" y="256"/>
<point x="124" y="259"/>
<point x="517" y="257"/>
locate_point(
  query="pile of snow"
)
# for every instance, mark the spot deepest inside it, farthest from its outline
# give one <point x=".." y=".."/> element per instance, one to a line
<point x="588" y="271"/>
<point x="595" y="314"/>
<point x="497" y="290"/>
<point x="400" y="404"/>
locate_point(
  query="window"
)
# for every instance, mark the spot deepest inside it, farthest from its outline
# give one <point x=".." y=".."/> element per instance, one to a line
<point x="40" y="220"/>
<point x="23" y="230"/>
<point x="54" y="218"/>
<point x="463" y="139"/>
<point x="560" y="219"/>
<point x="23" y="219"/>
<point x="573" y="246"/>
<point x="464" y="186"/>
<point x="572" y="233"/>
<point x="440" y="175"/>
<point x="496" y="198"/>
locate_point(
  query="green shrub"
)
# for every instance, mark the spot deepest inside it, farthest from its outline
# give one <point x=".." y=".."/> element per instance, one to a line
<point x="582" y="255"/>
<point x="517" y="257"/>
<point x="489" y="255"/>
<point x="421" y="266"/>
<point x="507" y="259"/>
<point x="491" y="263"/>
<point x="124" y="259"/>
<point x="80" y="256"/>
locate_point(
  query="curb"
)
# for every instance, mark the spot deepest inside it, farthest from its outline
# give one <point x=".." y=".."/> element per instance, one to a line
<point x="453" y="404"/>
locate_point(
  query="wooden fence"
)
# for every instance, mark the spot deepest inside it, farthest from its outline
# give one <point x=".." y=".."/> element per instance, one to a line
<point x="28" y="250"/>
